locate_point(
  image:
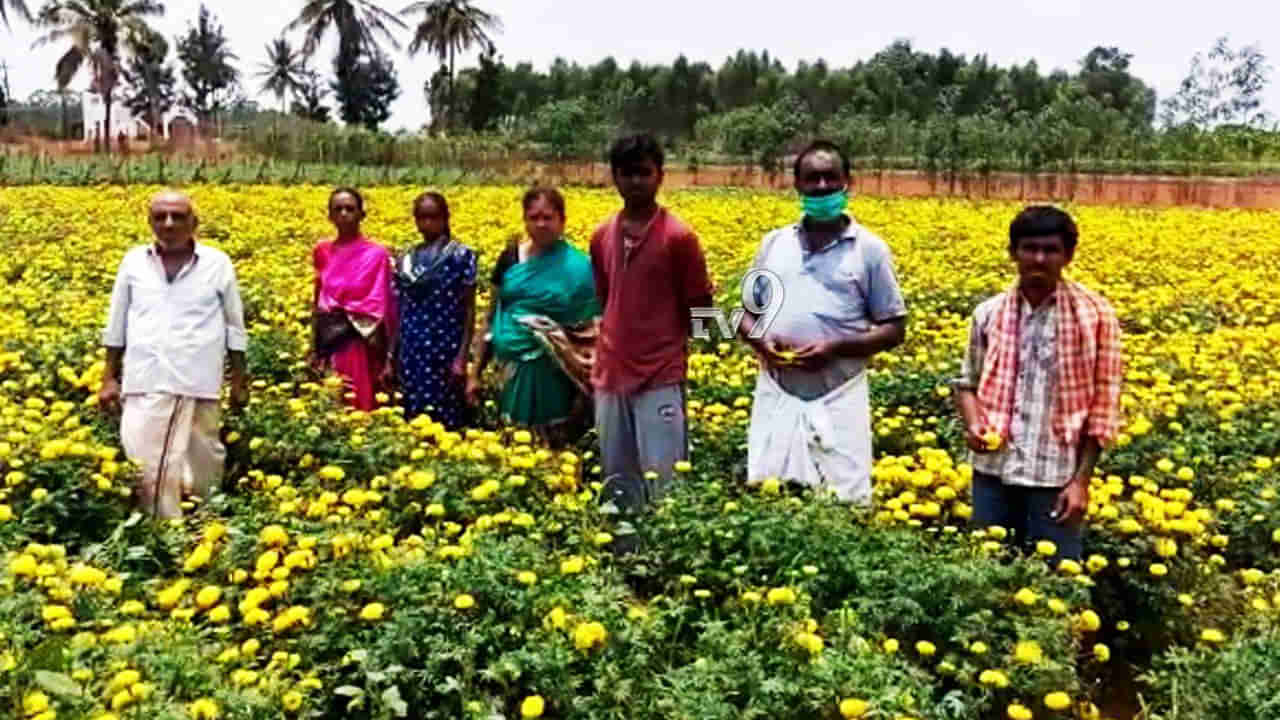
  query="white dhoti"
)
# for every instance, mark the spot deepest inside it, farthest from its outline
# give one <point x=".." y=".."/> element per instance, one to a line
<point x="820" y="443"/>
<point x="174" y="438"/>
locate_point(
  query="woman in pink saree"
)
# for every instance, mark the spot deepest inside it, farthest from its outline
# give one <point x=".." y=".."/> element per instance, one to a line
<point x="355" y="314"/>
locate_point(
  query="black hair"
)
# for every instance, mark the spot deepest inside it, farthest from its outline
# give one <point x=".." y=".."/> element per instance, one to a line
<point x="633" y="149"/>
<point x="440" y="202"/>
<point x="821" y="146"/>
<point x="549" y="194"/>
<point x="348" y="191"/>
<point x="1041" y="221"/>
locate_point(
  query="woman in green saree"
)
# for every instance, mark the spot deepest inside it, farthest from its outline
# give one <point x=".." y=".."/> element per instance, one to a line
<point x="542" y="324"/>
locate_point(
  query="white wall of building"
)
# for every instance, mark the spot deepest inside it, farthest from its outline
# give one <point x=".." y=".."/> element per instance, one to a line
<point x="95" y="114"/>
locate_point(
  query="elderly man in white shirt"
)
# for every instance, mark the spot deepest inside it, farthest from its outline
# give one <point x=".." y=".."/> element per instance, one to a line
<point x="175" y="317"/>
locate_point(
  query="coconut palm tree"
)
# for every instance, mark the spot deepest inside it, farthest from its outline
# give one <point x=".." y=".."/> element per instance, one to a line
<point x="18" y="7"/>
<point x="447" y="28"/>
<point x="96" y="30"/>
<point x="360" y="24"/>
<point x="283" y="72"/>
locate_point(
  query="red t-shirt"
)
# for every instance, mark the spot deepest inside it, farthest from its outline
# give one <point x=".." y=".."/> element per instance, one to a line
<point x="647" y="297"/>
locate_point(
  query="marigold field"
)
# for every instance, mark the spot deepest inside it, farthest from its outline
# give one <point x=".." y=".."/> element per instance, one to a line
<point x="358" y="566"/>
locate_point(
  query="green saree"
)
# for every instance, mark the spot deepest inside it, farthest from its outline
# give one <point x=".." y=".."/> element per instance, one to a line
<point x="542" y="300"/>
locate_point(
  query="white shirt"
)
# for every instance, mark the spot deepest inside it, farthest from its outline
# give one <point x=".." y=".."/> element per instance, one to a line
<point x="175" y="334"/>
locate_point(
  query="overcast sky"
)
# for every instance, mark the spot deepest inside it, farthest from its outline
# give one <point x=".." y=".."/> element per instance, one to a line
<point x="1162" y="36"/>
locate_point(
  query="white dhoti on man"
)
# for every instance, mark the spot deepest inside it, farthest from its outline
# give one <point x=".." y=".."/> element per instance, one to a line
<point x="820" y="443"/>
<point x="174" y="438"/>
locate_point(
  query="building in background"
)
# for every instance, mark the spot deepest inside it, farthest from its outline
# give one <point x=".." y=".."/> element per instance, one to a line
<point x="177" y="124"/>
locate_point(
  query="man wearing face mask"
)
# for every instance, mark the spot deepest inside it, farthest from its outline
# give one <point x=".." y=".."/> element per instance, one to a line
<point x="834" y="303"/>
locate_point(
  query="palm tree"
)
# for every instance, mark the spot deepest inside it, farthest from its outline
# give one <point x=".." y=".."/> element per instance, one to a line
<point x="95" y="29"/>
<point x="449" y="27"/>
<point x="18" y="7"/>
<point x="360" y="24"/>
<point x="282" y="74"/>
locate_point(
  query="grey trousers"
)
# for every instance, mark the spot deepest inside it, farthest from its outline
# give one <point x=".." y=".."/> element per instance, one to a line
<point x="638" y="433"/>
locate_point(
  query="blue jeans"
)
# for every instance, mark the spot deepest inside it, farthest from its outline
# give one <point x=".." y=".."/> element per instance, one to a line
<point x="1025" y="512"/>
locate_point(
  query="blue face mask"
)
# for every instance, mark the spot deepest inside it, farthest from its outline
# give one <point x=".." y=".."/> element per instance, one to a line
<point x="825" y="208"/>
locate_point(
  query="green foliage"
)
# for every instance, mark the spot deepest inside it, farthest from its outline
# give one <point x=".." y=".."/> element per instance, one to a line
<point x="1237" y="681"/>
<point x="207" y="67"/>
<point x="364" y="88"/>
<point x="569" y="129"/>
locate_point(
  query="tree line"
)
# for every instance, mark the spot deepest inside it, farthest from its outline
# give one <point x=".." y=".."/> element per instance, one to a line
<point x="900" y="107"/>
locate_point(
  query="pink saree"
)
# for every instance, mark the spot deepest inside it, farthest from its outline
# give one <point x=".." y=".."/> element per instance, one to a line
<point x="355" y="276"/>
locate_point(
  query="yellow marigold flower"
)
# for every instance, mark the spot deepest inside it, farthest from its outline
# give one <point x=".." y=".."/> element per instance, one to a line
<point x="532" y="707"/>
<point x="1213" y="635"/>
<point x="926" y="648"/>
<point x="781" y="596"/>
<point x="273" y="536"/>
<point x="372" y="611"/>
<point x="1016" y="711"/>
<point x="1026" y="597"/>
<point x="891" y="645"/>
<point x="421" y="480"/>
<point x="85" y="575"/>
<point x="589" y="635"/>
<point x="464" y="602"/>
<point x="1028" y="653"/>
<point x="994" y="678"/>
<point x="121" y="699"/>
<point x="23" y="566"/>
<point x="526" y="577"/>
<point x="851" y="708"/>
<point x="1158" y="569"/>
<point x="572" y="566"/>
<point x="1089" y="621"/>
<point x="208" y="597"/>
<point x="331" y="472"/>
<point x="291" y="700"/>
<point x="1101" y="653"/>
<point x="35" y="702"/>
<point x="1057" y="701"/>
<point x="979" y="648"/>
<point x="558" y="618"/>
<point x="204" y="709"/>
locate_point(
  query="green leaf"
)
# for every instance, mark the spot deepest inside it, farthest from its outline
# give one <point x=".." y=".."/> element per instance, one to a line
<point x="58" y="684"/>
<point x="391" y="698"/>
<point x="348" y="691"/>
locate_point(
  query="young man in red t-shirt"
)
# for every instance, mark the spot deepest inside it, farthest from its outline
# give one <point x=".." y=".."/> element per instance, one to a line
<point x="649" y="272"/>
